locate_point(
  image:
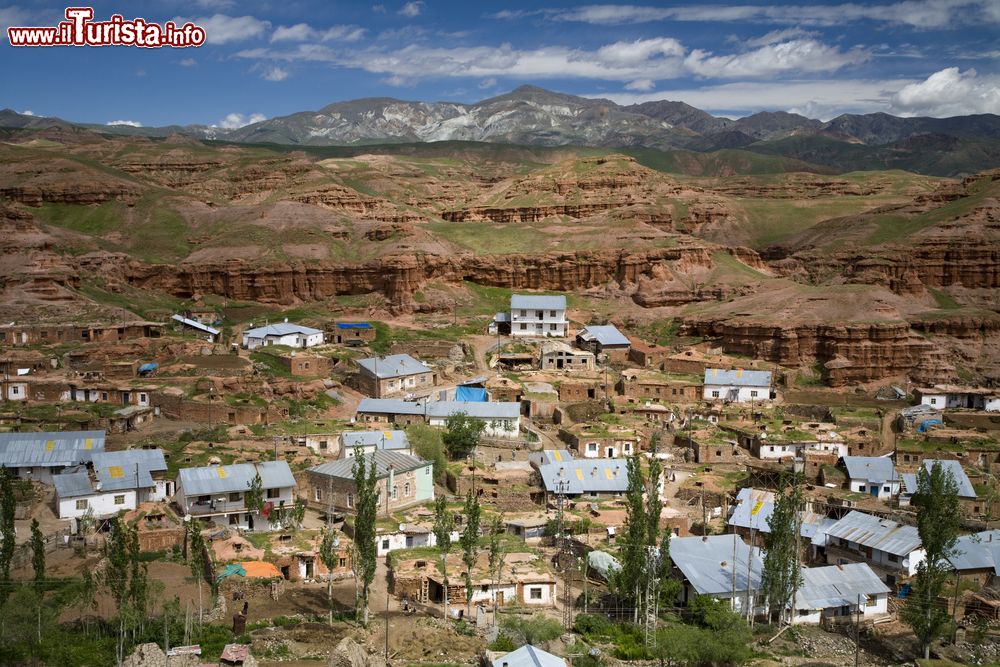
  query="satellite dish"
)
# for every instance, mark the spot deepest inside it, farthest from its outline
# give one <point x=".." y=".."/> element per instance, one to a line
<point x="336" y="542"/>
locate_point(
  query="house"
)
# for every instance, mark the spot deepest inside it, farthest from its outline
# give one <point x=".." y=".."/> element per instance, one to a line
<point x="304" y="365"/>
<point x="401" y="480"/>
<point x="605" y="339"/>
<point x="119" y="481"/>
<point x="283" y="333"/>
<point x="52" y="334"/>
<point x="407" y="536"/>
<point x="647" y="355"/>
<point x="977" y="556"/>
<point x="559" y="356"/>
<point x="39" y="456"/>
<point x="596" y="441"/>
<point x="585" y="477"/>
<point x="645" y="384"/>
<point x="874" y="475"/>
<point x="503" y="420"/>
<point x="953" y="397"/>
<point x="749" y="517"/>
<point x="499" y="325"/>
<point x="217" y="493"/>
<point x="526" y="656"/>
<point x="736" y="386"/>
<point x="840" y="593"/>
<point x="353" y="443"/>
<point x="707" y="566"/>
<point x="893" y="550"/>
<point x="394" y="375"/>
<point x="211" y="334"/>
<point x="966" y="492"/>
<point x="528" y="528"/>
<point x="353" y="333"/>
<point x="324" y="444"/>
<point x="538" y="315"/>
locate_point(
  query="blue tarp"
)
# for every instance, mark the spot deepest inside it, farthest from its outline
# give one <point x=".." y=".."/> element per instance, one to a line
<point x="353" y="325"/>
<point x="476" y="394"/>
<point x="230" y="570"/>
<point x="148" y="368"/>
<point x="924" y="425"/>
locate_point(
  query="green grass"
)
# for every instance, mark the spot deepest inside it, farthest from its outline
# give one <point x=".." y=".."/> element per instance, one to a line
<point x="943" y="299"/>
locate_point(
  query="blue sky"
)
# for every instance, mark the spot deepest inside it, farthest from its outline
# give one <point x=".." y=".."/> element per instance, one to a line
<point x="268" y="58"/>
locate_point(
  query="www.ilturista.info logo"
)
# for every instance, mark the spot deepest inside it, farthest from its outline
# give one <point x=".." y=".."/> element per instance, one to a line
<point x="79" y="29"/>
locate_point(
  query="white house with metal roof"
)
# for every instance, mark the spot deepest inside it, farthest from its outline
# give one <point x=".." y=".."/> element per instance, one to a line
<point x="840" y="593"/>
<point x="891" y="548"/>
<point x="977" y="555"/>
<point x="218" y="493"/>
<point x="538" y="315"/>
<point x="872" y="475"/>
<point x="721" y="566"/>
<point x="118" y="481"/>
<point x="526" y="656"/>
<point x="39" y="456"/>
<point x="736" y="386"/>
<point x="211" y="334"/>
<point x="965" y="489"/>
<point x="353" y="443"/>
<point x="585" y="477"/>
<point x="603" y="338"/>
<point x="282" y="333"/>
<point x="503" y="419"/>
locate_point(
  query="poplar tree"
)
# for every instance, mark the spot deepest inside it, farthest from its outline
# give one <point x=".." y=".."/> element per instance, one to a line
<point x="329" y="553"/>
<point x="7" y="506"/>
<point x="444" y="523"/>
<point x="365" y="551"/>
<point x="780" y="575"/>
<point x="37" y="551"/>
<point x="469" y="540"/>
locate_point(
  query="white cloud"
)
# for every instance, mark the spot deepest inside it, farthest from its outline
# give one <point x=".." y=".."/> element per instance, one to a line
<point x="303" y="32"/>
<point x="640" y="84"/>
<point x="798" y="55"/>
<point x="28" y="112"/>
<point x="913" y="13"/>
<point x="778" y="36"/>
<point x="378" y="9"/>
<point x="130" y="123"/>
<point x="412" y="9"/>
<point x="15" y="16"/>
<point x="189" y="62"/>
<point x="949" y="92"/>
<point x="237" y="120"/>
<point x="396" y="81"/>
<point x="215" y="4"/>
<point x="274" y="73"/>
<point x="223" y="29"/>
<point x="487" y="83"/>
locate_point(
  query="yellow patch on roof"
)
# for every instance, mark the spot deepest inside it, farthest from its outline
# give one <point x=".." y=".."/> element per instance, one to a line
<point x="116" y="472"/>
<point x="557" y="456"/>
<point x="50" y="445"/>
<point x="579" y="474"/>
<point x="222" y="472"/>
<point x="387" y="434"/>
<point x="88" y="443"/>
<point x="739" y="372"/>
<point x="756" y="507"/>
<point x="608" y="474"/>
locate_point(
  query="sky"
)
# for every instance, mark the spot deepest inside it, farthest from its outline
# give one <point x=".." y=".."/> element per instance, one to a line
<point x="265" y="58"/>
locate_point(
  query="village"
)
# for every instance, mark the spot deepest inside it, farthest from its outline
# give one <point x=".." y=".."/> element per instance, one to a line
<point x="236" y="445"/>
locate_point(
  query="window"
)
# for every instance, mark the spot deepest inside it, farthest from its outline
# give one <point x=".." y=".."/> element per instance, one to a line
<point x="591" y="446"/>
<point x="142" y="398"/>
<point x="385" y="544"/>
<point x="553" y="327"/>
<point x="234" y="497"/>
<point x="350" y="500"/>
<point x="524" y="313"/>
<point x="406" y="490"/>
<point x="343" y="562"/>
<point x="81" y="504"/>
<point x="771" y="448"/>
<point x="886" y="489"/>
<point x="317" y="494"/>
<point x="715" y="394"/>
<point x="893" y="558"/>
<point x="104" y="395"/>
<point x="753" y="393"/>
<point x="394" y="488"/>
<point x="273" y="493"/>
<point x="524" y="326"/>
<point x="305" y="365"/>
<point x="552" y="313"/>
<point x="535" y="593"/>
<point x="15" y="390"/>
<point x="120" y="500"/>
<point x="322" y="444"/>
<point x="234" y="519"/>
<point x="871" y="601"/>
<point x="933" y="401"/>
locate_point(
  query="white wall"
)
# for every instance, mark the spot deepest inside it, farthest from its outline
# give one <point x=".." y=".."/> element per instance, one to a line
<point x="494" y="428"/>
<point x="815" y="616"/>
<point x="743" y="394"/>
<point x="992" y="404"/>
<point x="864" y="486"/>
<point x="103" y="504"/>
<point x="17" y="391"/>
<point x="770" y="450"/>
<point x="535" y="326"/>
<point x="546" y="598"/>
<point x="291" y="340"/>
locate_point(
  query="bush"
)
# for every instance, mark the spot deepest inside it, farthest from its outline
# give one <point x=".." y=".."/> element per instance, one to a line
<point x="591" y="625"/>
<point x="503" y="644"/>
<point x="531" y="629"/>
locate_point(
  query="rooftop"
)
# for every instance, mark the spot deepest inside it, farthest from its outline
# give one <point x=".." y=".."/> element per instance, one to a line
<point x="195" y="324"/>
<point x="395" y="365"/>
<point x="606" y="335"/>
<point x="377" y="439"/>
<point x="580" y="476"/>
<point x="837" y="586"/>
<point x="344" y="468"/>
<point x="129" y="469"/>
<point x="707" y="563"/>
<point x="965" y="488"/>
<point x="232" y="478"/>
<point x="477" y="409"/>
<point x="871" y="531"/>
<point x="979" y="551"/>
<point x="876" y="469"/>
<point x="537" y="302"/>
<point x="529" y="656"/>
<point x="280" y="329"/>
<point x="737" y="378"/>
<point x="59" y="448"/>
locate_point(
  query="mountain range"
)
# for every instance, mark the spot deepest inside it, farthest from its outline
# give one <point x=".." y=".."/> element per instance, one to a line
<point x="534" y="116"/>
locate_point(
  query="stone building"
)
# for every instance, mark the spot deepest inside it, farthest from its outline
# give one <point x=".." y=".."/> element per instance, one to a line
<point x="401" y="481"/>
<point x="395" y="375"/>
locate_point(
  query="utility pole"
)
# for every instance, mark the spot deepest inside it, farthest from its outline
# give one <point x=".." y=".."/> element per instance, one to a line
<point x="387" y="622"/>
<point x="857" y="634"/>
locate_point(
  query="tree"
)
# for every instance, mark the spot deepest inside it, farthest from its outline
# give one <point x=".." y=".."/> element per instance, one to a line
<point x="365" y="553"/>
<point x="462" y="434"/>
<point x="196" y="559"/>
<point x="125" y="578"/>
<point x="37" y="551"/>
<point x="469" y="541"/>
<point x="7" y="506"/>
<point x="329" y="553"/>
<point x="444" y="523"/>
<point x="497" y="555"/>
<point x="428" y="445"/>
<point x="678" y="645"/>
<point x="938" y="522"/>
<point x="780" y="575"/>
<point x="253" y="499"/>
<point x="629" y="578"/>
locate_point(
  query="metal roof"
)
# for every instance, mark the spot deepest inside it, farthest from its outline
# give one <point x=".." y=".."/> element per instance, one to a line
<point x="557" y="455"/>
<point x="837" y="586"/>
<point x="344" y="468"/>
<point x="73" y="484"/>
<point x="195" y="324"/>
<point x="578" y="476"/>
<point x="393" y="366"/>
<point x="605" y="334"/>
<point x="876" y="469"/>
<point x="529" y="656"/>
<point x="129" y="469"/>
<point x="537" y="302"/>
<point x="754" y="510"/>
<point x="737" y="378"/>
<point x="965" y="488"/>
<point x="233" y="478"/>
<point x="477" y="409"/>
<point x="378" y="439"/>
<point x="978" y="551"/>
<point x="881" y="534"/>
<point x="280" y="329"/>
<point x="707" y="563"/>
<point x="49" y="449"/>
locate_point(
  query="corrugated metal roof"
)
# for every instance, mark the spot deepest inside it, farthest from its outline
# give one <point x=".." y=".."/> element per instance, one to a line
<point x="129" y="469"/>
<point x="280" y="329"/>
<point x="73" y="484"/>
<point x="871" y="531"/>
<point x="344" y="468"/>
<point x="529" y="656"/>
<point x="707" y="563"/>
<point x="49" y="449"/>
<point x="557" y="455"/>
<point x="875" y="469"/>
<point x="395" y="365"/>
<point x="232" y="478"/>
<point x="606" y="334"/>
<point x="965" y="488"/>
<point x="737" y="378"/>
<point x="379" y="439"/>
<point x="578" y="476"/>
<point x="837" y="586"/>
<point x="537" y="302"/>
<point x="195" y="324"/>
<point x="754" y="510"/>
<point x="477" y="409"/>
<point x="978" y="551"/>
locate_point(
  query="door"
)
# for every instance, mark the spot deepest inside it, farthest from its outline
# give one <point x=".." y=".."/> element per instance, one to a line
<point x="499" y="598"/>
<point x="874" y="490"/>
